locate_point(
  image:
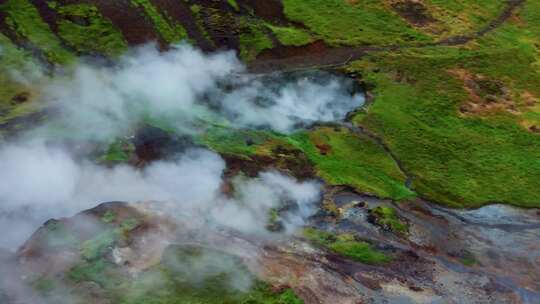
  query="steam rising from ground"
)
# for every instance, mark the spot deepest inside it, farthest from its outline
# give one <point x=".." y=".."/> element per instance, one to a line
<point x="41" y="182"/>
<point x="189" y="86"/>
<point x="186" y="89"/>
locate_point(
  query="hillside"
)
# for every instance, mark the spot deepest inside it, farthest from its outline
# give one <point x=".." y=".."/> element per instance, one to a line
<point x="417" y="120"/>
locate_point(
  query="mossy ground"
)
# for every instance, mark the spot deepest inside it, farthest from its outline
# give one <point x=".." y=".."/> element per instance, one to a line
<point x="118" y="152"/>
<point x="455" y="158"/>
<point x="170" y="30"/>
<point x="458" y="159"/>
<point x="291" y="36"/>
<point x="87" y="31"/>
<point x="24" y="19"/>
<point x="340" y="22"/>
<point x="14" y="59"/>
<point x="342" y="157"/>
<point x="387" y="218"/>
<point x="253" y="39"/>
<point x="215" y="277"/>
<point x="167" y="283"/>
<point x="338" y="155"/>
<point x="348" y="246"/>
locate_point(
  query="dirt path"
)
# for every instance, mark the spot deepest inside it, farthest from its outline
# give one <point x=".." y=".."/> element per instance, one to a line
<point x="306" y="58"/>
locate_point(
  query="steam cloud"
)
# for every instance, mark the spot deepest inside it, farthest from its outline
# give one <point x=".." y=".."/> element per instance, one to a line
<point x="41" y="180"/>
<point x="189" y="86"/>
<point x="184" y="86"/>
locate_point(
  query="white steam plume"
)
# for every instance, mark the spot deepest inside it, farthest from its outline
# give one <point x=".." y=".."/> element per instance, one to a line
<point x="41" y="182"/>
<point x="185" y="85"/>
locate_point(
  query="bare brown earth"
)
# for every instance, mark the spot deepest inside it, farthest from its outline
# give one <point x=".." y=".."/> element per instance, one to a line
<point x="134" y="32"/>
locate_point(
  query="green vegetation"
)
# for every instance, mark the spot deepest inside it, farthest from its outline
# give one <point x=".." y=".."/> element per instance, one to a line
<point x="290" y="36"/>
<point x="93" y="34"/>
<point x="195" y="8"/>
<point x="119" y="151"/>
<point x="199" y="22"/>
<point x="169" y="29"/>
<point x="184" y="275"/>
<point x="99" y="271"/>
<point x="339" y="156"/>
<point x="348" y="246"/>
<point x="253" y="40"/>
<point x="24" y="19"/>
<point x="467" y="258"/>
<point x="340" y="22"/>
<point x="344" y="158"/>
<point x="455" y="17"/>
<point x="94" y="266"/>
<point x="388" y="218"/>
<point x="173" y="282"/>
<point x="461" y="159"/>
<point x="44" y="285"/>
<point x="95" y="248"/>
<point x="108" y="217"/>
<point x="13" y="58"/>
<point x="238" y="142"/>
<point x="233" y="4"/>
<point x="56" y="235"/>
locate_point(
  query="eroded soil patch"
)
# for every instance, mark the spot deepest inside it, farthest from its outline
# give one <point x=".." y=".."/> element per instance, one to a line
<point x="413" y="11"/>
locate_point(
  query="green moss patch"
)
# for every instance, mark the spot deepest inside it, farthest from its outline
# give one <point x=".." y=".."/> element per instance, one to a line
<point x="84" y="28"/>
<point x="455" y="159"/>
<point x="118" y="152"/>
<point x="238" y="142"/>
<point x="98" y="271"/>
<point x="290" y="36"/>
<point x="388" y="219"/>
<point x="253" y="40"/>
<point x="348" y="246"/>
<point x="56" y="235"/>
<point x="185" y="274"/>
<point x="344" y="158"/>
<point x="456" y="17"/>
<point x="24" y="19"/>
<point x="196" y="275"/>
<point x="169" y="29"/>
<point x="15" y="98"/>
<point x="234" y="4"/>
<point x="340" y="22"/>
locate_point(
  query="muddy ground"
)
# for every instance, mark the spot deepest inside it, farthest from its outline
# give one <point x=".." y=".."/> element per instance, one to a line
<point x="447" y="256"/>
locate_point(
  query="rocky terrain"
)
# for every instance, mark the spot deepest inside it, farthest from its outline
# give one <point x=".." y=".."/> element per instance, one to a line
<point x="356" y="152"/>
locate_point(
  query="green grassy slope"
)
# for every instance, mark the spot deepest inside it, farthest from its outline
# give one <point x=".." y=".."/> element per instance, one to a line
<point x="344" y="158"/>
<point x="24" y="19"/>
<point x="461" y="159"/>
<point x="341" y="22"/>
<point x="96" y="35"/>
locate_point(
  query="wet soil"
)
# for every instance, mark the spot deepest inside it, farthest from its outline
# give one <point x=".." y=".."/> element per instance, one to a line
<point x="426" y="267"/>
<point x="270" y="10"/>
<point x="180" y="11"/>
<point x="131" y="20"/>
<point x="414" y="12"/>
<point x="495" y="244"/>
<point x="153" y="144"/>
